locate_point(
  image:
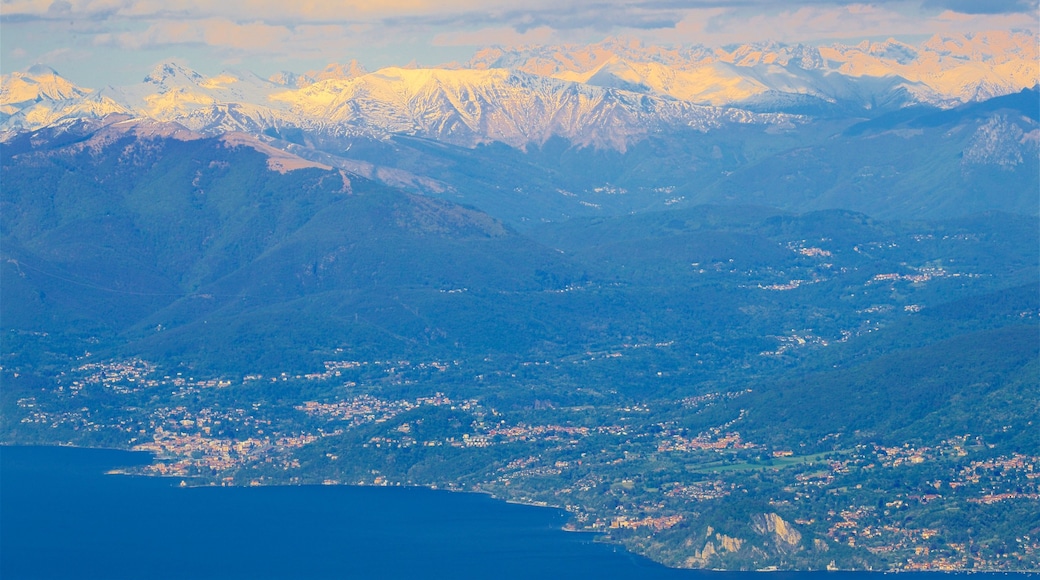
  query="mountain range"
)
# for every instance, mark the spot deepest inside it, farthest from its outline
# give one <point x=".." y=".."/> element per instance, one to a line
<point x="607" y="95"/>
<point x="619" y="126"/>
<point x="939" y="71"/>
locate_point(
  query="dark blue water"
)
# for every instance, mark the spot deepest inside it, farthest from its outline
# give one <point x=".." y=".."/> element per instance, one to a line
<point x="61" y="517"/>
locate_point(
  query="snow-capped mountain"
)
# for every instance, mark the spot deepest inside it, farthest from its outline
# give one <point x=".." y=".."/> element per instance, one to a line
<point x="40" y="97"/>
<point x="39" y="82"/>
<point x="462" y="107"/>
<point x="606" y="95"/>
<point x="466" y="107"/>
<point x="230" y="101"/>
<point x="350" y="70"/>
<point x="942" y="71"/>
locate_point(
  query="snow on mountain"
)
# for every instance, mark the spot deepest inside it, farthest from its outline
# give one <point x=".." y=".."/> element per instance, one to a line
<point x="232" y="100"/>
<point x="227" y="102"/>
<point x="942" y="71"/>
<point x="720" y="77"/>
<point x="350" y="70"/>
<point x="47" y="113"/>
<point x="555" y="60"/>
<point x="467" y="107"/>
<point x="464" y="107"/>
<point x="608" y="94"/>
<point x="38" y="83"/>
<point x="773" y="53"/>
<point x="40" y="97"/>
<point x="961" y="68"/>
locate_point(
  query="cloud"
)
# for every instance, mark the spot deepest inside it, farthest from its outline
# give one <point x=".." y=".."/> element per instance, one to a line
<point x="60" y="8"/>
<point x="503" y="36"/>
<point x="233" y="38"/>
<point x="58" y="54"/>
<point x="216" y="32"/>
<point x="266" y="25"/>
<point x="804" y="23"/>
<point x="502" y="11"/>
<point x="808" y="22"/>
<point x="396" y="31"/>
<point x="602" y="17"/>
<point x="984" y="6"/>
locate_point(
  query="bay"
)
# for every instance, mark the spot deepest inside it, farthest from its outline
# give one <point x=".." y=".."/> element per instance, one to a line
<point x="61" y="516"/>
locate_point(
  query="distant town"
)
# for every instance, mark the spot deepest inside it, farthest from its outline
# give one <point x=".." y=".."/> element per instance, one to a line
<point x="636" y="478"/>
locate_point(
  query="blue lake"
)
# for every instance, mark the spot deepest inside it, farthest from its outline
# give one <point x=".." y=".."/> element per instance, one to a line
<point x="61" y="517"/>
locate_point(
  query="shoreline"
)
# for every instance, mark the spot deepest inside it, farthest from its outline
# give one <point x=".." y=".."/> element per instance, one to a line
<point x="187" y="482"/>
<point x="69" y="445"/>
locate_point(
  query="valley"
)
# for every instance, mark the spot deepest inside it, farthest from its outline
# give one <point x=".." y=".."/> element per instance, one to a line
<point x="710" y="386"/>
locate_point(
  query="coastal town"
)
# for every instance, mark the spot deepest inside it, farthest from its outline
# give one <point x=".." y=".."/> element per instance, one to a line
<point x="641" y="473"/>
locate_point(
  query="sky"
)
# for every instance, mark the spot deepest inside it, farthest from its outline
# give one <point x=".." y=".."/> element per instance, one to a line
<point x="100" y="42"/>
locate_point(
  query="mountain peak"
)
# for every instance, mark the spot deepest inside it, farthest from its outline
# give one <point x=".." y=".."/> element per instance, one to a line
<point x="167" y="71"/>
<point x="284" y="78"/>
<point x="38" y="82"/>
<point x="772" y="52"/>
<point x="41" y="69"/>
<point x="336" y="71"/>
<point x="232" y="76"/>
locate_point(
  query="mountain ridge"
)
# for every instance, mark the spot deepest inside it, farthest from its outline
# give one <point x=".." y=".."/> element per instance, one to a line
<point x="606" y="95"/>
